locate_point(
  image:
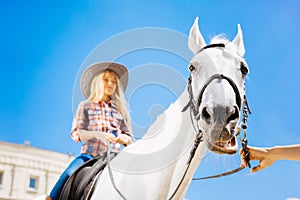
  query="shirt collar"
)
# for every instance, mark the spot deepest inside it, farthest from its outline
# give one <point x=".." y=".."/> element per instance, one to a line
<point x="110" y="103"/>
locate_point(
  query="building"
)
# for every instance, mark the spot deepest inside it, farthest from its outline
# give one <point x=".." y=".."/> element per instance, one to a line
<point x="27" y="172"/>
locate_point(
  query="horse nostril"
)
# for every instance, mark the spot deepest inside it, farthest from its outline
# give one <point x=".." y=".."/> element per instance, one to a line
<point x="205" y="115"/>
<point x="234" y="115"/>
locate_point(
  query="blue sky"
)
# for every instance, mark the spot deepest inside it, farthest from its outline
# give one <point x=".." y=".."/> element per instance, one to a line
<point x="43" y="46"/>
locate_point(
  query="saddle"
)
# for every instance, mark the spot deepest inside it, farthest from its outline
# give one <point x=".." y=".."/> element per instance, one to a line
<point x="80" y="184"/>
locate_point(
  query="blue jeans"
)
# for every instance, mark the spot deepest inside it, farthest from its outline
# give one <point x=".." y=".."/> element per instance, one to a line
<point x="75" y="164"/>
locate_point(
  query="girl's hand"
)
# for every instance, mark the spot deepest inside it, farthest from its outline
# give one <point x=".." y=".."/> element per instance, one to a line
<point x="85" y="135"/>
<point x="124" y="139"/>
<point x="110" y="137"/>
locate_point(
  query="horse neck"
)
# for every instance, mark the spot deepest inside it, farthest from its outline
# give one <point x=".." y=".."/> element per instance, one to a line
<point x="172" y="129"/>
<point x="186" y="135"/>
<point x="161" y="156"/>
<point x="170" y="140"/>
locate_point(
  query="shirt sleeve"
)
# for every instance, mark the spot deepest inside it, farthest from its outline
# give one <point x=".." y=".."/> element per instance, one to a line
<point x="80" y="122"/>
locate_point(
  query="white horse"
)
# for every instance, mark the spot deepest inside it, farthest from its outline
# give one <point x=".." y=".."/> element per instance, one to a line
<point x="156" y="166"/>
<point x="161" y="165"/>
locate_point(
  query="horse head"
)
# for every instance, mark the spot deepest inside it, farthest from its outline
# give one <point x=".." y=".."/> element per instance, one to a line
<point x="217" y="88"/>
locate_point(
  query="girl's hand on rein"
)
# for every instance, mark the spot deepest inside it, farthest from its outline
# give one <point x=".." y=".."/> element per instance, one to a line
<point x="123" y="139"/>
<point x="110" y="137"/>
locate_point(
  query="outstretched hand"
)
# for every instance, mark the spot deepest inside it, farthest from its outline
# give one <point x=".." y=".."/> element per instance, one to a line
<point x="260" y="154"/>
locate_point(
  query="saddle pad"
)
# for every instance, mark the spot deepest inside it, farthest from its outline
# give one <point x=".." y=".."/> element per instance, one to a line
<point x="78" y="182"/>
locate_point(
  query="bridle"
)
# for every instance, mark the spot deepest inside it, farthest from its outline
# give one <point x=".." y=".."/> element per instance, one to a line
<point x="194" y="111"/>
<point x="195" y="116"/>
<point x="195" y="107"/>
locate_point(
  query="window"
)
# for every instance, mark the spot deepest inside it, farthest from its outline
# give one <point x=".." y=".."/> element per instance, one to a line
<point x="33" y="183"/>
<point x="1" y="178"/>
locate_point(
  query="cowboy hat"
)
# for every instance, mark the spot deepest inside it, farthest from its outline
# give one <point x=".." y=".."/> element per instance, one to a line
<point x="97" y="68"/>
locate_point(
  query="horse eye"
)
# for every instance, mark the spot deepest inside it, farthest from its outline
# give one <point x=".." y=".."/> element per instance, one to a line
<point x="191" y="68"/>
<point x="244" y="69"/>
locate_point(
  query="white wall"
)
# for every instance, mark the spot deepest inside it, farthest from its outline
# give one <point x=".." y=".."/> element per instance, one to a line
<point x="19" y="163"/>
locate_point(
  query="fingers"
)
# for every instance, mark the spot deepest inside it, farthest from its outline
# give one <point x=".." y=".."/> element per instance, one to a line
<point x="244" y="163"/>
<point x="124" y="139"/>
<point x="263" y="164"/>
<point x="256" y="168"/>
<point x="260" y="154"/>
<point x="110" y="137"/>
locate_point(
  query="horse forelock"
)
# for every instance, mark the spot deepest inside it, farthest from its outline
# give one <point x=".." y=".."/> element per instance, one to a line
<point x="221" y="38"/>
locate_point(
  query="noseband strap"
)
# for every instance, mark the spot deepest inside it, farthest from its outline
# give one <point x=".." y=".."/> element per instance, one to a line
<point x="195" y="107"/>
<point x="220" y="77"/>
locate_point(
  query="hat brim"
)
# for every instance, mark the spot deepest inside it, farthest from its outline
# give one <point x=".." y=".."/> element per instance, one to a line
<point x="97" y="68"/>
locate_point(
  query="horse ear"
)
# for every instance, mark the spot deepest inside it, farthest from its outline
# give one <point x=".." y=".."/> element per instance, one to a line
<point x="238" y="42"/>
<point x="196" y="41"/>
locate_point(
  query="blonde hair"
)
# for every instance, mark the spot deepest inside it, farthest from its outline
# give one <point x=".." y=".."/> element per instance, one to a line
<point x="97" y="94"/>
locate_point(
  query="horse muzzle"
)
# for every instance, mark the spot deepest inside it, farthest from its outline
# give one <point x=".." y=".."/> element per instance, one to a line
<point x="223" y="146"/>
<point x="220" y="133"/>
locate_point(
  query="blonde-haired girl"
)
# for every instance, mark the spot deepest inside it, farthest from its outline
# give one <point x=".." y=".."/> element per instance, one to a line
<point x="103" y="117"/>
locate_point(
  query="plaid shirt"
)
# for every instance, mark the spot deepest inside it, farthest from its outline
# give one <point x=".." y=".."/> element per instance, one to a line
<point x="102" y="117"/>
